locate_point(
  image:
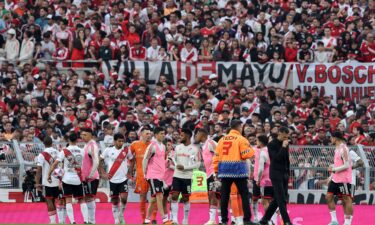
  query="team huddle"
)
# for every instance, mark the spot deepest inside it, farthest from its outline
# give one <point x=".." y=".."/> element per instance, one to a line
<point x="154" y="164"/>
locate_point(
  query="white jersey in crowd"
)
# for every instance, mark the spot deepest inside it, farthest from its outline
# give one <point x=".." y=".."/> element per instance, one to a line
<point x="188" y="156"/>
<point x="46" y="166"/>
<point x="354" y="157"/>
<point x="110" y="155"/>
<point x="70" y="174"/>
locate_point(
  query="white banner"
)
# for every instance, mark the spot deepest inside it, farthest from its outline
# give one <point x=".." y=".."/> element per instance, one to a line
<point x="351" y="81"/>
<point x="251" y="74"/>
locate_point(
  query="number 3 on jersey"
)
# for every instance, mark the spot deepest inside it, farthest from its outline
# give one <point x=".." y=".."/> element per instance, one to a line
<point x="226" y="146"/>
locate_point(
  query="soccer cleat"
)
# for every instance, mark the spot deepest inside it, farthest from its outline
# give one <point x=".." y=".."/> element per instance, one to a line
<point x="147" y="221"/>
<point x="333" y="223"/>
<point x="233" y="223"/>
<point x="154" y="222"/>
<point x="210" y="222"/>
<point x="168" y="222"/>
<point x="185" y="222"/>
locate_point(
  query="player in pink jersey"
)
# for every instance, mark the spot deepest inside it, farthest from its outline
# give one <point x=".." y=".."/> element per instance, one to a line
<point x="90" y="174"/>
<point x="340" y="183"/>
<point x="154" y="169"/>
<point x="262" y="185"/>
<point x="208" y="151"/>
<point x="168" y="176"/>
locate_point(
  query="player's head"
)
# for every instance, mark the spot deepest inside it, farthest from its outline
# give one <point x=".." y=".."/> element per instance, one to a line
<point x="119" y="140"/>
<point x="201" y="135"/>
<point x="169" y="144"/>
<point x="236" y="125"/>
<point x="262" y="140"/>
<point x="47" y="141"/>
<point x="86" y="134"/>
<point x="337" y="136"/>
<point x="73" y="137"/>
<point x="146" y="134"/>
<point x="159" y="133"/>
<point x="283" y="134"/>
<point x="185" y="135"/>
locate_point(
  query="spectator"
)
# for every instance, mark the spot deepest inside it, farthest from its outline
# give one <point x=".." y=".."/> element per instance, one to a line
<point x="222" y="52"/>
<point x="12" y="45"/>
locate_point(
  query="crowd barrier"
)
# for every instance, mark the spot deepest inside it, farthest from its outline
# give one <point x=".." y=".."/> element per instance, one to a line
<point x="308" y="173"/>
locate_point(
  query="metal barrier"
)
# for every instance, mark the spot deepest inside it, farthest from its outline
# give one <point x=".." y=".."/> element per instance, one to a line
<point x="308" y="165"/>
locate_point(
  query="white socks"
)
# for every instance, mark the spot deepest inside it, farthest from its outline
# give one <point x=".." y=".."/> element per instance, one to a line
<point x="213" y="209"/>
<point x="84" y="211"/>
<point x="186" y="212"/>
<point x="219" y="215"/>
<point x="274" y="218"/>
<point x="91" y="206"/>
<point x="121" y="213"/>
<point x="174" y="206"/>
<point x="239" y="220"/>
<point x="52" y="217"/>
<point x="333" y="216"/>
<point x="61" y="214"/>
<point x="348" y="220"/>
<point x="255" y="210"/>
<point x="70" y="212"/>
<point x="232" y="218"/>
<point x="115" y="211"/>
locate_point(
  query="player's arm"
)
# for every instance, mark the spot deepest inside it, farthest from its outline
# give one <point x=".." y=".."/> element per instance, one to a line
<point x="216" y="158"/>
<point x="38" y="175"/>
<point x="101" y="167"/>
<point x="345" y="160"/>
<point x="95" y="161"/>
<point x="246" y="151"/>
<point x="52" y="168"/>
<point x="262" y="161"/>
<point x="133" y="161"/>
<point x="150" y="152"/>
<point x="274" y="153"/>
<point x="131" y="164"/>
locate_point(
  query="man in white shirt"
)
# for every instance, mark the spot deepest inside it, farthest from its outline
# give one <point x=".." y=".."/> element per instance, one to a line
<point x="51" y="185"/>
<point x="357" y="162"/>
<point x="186" y="160"/>
<point x="71" y="157"/>
<point x="153" y="50"/>
<point x="211" y="97"/>
<point x="116" y="160"/>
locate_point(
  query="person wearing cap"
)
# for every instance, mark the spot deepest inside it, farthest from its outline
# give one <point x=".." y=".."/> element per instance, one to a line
<point x="12" y="45"/>
<point x="189" y="54"/>
<point x="340" y="184"/>
<point x="305" y="54"/>
<point x="231" y="165"/>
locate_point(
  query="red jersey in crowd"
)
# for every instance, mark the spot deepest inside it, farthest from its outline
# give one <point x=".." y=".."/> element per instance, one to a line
<point x="368" y="51"/>
<point x="303" y="113"/>
<point x="138" y="54"/>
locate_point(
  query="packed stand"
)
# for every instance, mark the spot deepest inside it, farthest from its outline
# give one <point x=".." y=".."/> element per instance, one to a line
<point x="187" y="31"/>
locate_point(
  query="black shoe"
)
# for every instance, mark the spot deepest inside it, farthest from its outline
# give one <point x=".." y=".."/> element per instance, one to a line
<point x="233" y="223"/>
<point x="154" y="222"/>
<point x="250" y="223"/>
<point x="288" y="224"/>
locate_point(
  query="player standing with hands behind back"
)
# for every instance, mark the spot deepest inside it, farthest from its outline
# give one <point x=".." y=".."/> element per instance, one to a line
<point x="230" y="164"/>
<point x="278" y="150"/>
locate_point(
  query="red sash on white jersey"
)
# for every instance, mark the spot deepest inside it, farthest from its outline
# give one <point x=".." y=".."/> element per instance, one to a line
<point x="191" y="55"/>
<point x="118" y="162"/>
<point x="48" y="157"/>
<point x="253" y="107"/>
<point x="330" y="42"/>
<point x="69" y="156"/>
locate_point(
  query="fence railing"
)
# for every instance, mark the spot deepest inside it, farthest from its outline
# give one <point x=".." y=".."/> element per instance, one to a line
<point x="308" y="169"/>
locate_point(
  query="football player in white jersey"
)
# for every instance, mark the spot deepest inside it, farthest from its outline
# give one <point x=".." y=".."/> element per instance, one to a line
<point x="72" y="178"/>
<point x="116" y="160"/>
<point x="50" y="189"/>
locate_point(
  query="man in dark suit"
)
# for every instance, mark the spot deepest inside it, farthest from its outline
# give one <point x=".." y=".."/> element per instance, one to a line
<point x="278" y="150"/>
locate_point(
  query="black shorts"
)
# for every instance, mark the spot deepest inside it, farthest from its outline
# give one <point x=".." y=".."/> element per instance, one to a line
<point x="262" y="192"/>
<point x="52" y="192"/>
<point x="156" y="186"/>
<point x="90" y="188"/>
<point x="115" y="189"/>
<point x="182" y="186"/>
<point x="211" y="185"/>
<point x="340" y="189"/>
<point x="166" y="191"/>
<point x="72" y="190"/>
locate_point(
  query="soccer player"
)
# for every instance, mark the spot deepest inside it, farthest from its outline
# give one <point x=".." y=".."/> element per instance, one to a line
<point x="341" y="179"/>
<point x="51" y="189"/>
<point x="153" y="166"/>
<point x="208" y="151"/>
<point x="168" y="176"/>
<point x="262" y="185"/>
<point x="90" y="172"/>
<point x="357" y="162"/>
<point x="186" y="160"/>
<point x="116" y="160"/>
<point x="138" y="149"/>
<point x="71" y="157"/>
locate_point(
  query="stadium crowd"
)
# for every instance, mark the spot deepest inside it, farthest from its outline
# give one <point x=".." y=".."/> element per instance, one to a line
<point x="37" y="102"/>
